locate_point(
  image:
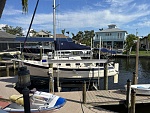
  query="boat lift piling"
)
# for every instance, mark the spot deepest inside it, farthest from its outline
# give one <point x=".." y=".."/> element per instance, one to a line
<point x="117" y="69"/>
<point x="134" y="78"/>
<point x="128" y="96"/>
<point x="51" y="80"/>
<point x="105" y="76"/>
<point x="84" y="93"/>
<point x="133" y="99"/>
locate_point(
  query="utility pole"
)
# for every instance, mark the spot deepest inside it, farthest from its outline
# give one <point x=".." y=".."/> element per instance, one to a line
<point x="137" y="57"/>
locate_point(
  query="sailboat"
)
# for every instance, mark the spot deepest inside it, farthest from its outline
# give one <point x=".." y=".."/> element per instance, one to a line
<point x="73" y="68"/>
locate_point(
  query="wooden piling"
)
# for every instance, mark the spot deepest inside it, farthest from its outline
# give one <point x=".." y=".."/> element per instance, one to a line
<point x="40" y="53"/>
<point x="105" y="76"/>
<point x="128" y="96"/>
<point x="7" y="70"/>
<point x="133" y="97"/>
<point x="14" y="65"/>
<point x="51" y="83"/>
<point x="84" y="92"/>
<point x="134" y="78"/>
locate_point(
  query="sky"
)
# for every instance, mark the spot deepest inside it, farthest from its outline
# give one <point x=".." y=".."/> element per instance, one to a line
<point x="80" y="15"/>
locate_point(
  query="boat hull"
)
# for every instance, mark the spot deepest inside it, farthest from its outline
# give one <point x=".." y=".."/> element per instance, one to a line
<point x="70" y="73"/>
<point x="42" y="102"/>
<point x="141" y="89"/>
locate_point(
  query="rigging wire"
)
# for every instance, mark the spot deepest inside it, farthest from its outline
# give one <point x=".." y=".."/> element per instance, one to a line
<point x="29" y="28"/>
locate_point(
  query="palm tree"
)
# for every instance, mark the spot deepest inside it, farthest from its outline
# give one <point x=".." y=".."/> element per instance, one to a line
<point x="24" y="6"/>
<point x="63" y="31"/>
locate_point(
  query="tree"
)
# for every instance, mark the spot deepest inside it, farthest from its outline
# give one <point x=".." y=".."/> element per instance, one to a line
<point x="63" y="31"/>
<point x="148" y="38"/>
<point x="15" y="31"/>
<point x="130" y="42"/>
<point x="24" y="6"/>
<point x="84" y="37"/>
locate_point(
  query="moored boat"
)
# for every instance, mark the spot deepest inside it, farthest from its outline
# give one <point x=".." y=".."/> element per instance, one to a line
<point x="42" y="102"/>
<point x="141" y="89"/>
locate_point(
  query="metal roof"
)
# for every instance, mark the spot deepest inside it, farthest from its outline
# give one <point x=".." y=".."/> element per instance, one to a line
<point x="111" y="30"/>
<point x="6" y="35"/>
<point x="41" y="39"/>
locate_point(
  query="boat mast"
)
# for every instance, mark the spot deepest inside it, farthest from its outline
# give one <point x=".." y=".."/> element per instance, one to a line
<point x="54" y="25"/>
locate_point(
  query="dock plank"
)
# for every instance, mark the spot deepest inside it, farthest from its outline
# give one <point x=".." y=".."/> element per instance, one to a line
<point x="7" y="87"/>
<point x="74" y="104"/>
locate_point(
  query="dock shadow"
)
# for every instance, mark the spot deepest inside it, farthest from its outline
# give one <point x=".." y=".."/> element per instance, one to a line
<point x="9" y="79"/>
<point x="74" y="101"/>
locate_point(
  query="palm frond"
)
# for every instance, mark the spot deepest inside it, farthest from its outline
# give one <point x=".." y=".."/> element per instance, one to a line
<point x="25" y="6"/>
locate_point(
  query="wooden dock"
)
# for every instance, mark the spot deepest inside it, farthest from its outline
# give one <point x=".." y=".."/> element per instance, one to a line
<point x="74" y="102"/>
<point x="7" y="87"/>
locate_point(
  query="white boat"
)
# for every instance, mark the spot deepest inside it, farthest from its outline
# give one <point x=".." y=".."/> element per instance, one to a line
<point x="141" y="89"/>
<point x="74" y="71"/>
<point x="39" y="102"/>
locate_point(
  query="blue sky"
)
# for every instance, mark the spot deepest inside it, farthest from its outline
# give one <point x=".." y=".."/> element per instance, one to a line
<point x="81" y="15"/>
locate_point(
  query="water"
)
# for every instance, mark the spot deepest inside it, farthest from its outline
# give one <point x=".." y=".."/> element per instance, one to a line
<point x="126" y="69"/>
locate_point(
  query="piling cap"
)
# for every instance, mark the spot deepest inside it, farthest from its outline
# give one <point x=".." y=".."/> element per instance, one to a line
<point x="134" y="72"/>
<point x="128" y="80"/>
<point x="23" y="71"/>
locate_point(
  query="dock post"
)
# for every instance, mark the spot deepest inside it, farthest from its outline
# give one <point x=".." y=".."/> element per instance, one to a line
<point x="40" y="52"/>
<point x="7" y="70"/>
<point x="116" y="75"/>
<point x="128" y="96"/>
<point x="84" y="92"/>
<point x="14" y="65"/>
<point x="51" y="83"/>
<point x="134" y="78"/>
<point x="133" y="97"/>
<point x="105" y="76"/>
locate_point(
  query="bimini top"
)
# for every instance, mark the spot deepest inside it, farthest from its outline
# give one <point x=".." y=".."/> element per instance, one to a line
<point x="61" y="43"/>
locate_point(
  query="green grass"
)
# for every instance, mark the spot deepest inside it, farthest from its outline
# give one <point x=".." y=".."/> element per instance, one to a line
<point x="141" y="53"/>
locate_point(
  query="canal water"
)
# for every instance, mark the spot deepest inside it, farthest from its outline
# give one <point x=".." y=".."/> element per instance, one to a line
<point x="126" y="69"/>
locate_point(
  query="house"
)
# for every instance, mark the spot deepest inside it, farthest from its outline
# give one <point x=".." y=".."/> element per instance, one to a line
<point x="43" y="34"/>
<point x="144" y="43"/>
<point x="6" y="40"/>
<point x="111" y="38"/>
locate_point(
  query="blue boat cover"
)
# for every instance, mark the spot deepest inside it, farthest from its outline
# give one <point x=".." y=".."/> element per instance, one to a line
<point x="61" y="43"/>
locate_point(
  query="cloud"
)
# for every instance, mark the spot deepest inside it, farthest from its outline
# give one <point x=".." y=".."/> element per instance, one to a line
<point x="2" y="25"/>
<point x="119" y="12"/>
<point x="11" y="11"/>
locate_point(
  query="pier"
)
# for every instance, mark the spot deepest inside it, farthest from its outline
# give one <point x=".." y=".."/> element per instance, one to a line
<point x="94" y="99"/>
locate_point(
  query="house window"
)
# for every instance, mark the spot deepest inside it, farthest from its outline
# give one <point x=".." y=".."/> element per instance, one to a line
<point x="120" y="35"/>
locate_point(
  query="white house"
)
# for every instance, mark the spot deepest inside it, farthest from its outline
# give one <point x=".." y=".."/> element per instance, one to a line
<point x="111" y="38"/>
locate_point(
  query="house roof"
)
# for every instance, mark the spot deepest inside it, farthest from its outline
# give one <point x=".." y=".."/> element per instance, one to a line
<point x="111" y="30"/>
<point x="6" y="35"/>
<point x="43" y="33"/>
<point x="61" y="36"/>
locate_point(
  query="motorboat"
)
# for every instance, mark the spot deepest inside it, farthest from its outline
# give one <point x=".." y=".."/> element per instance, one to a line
<point x="42" y="102"/>
<point x="141" y="89"/>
